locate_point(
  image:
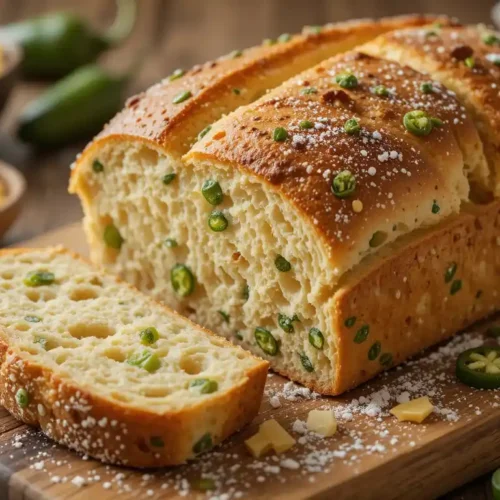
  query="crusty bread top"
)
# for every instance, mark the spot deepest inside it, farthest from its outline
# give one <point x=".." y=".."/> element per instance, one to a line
<point x="85" y="327"/>
<point x="400" y="178"/>
<point x="467" y="61"/>
<point x="154" y="116"/>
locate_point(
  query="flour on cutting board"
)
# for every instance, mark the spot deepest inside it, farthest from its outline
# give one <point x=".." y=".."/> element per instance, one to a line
<point x="365" y="427"/>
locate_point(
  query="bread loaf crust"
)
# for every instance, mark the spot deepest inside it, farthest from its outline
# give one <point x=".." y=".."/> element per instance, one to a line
<point x="152" y="116"/>
<point x="120" y="434"/>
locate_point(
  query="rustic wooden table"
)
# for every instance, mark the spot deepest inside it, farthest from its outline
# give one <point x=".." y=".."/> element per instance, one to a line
<point x="180" y="33"/>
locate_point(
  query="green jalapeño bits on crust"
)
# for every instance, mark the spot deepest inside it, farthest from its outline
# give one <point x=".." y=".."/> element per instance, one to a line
<point x="479" y="367"/>
<point x="435" y="207"/>
<point x="168" y="178"/>
<point x="236" y="91"/>
<point x="170" y="243"/>
<point x="212" y="192"/>
<point x="204" y="132"/>
<point x="178" y="73"/>
<point x="182" y="96"/>
<point x="344" y="184"/>
<point x="286" y="323"/>
<point x="490" y="39"/>
<point x="469" y="62"/>
<point x="309" y="91"/>
<point x="377" y="239"/>
<point x="316" y="338"/>
<point x="349" y="322"/>
<point x="315" y="29"/>
<point x="285" y="37"/>
<point x="427" y="88"/>
<point x="306" y="124"/>
<point x="386" y="360"/>
<point x="352" y="127"/>
<point x="32" y="319"/>
<point x="145" y="359"/>
<point x="112" y="237"/>
<point x="381" y="91"/>
<point x="22" y="398"/>
<point x="456" y="286"/>
<point x="282" y="265"/>
<point x="362" y="334"/>
<point x="306" y="363"/>
<point x="266" y="341"/>
<point x="156" y="442"/>
<point x="437" y="122"/>
<point x="149" y="336"/>
<point x="450" y="272"/>
<point x="97" y="167"/>
<point x="39" y="278"/>
<point x="205" y="443"/>
<point x="225" y="316"/>
<point x="280" y="134"/>
<point x="182" y="279"/>
<point x="418" y="122"/>
<point x="204" y="385"/>
<point x="246" y="293"/>
<point x="217" y="221"/>
<point x="374" y="351"/>
<point x="346" y="80"/>
<point x="235" y="54"/>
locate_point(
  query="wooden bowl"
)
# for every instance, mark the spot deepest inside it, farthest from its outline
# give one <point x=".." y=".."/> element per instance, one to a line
<point x="14" y="187"/>
<point x="10" y="72"/>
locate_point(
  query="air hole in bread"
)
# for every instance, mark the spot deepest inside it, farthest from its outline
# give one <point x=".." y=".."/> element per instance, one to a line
<point x="96" y="281"/>
<point x="84" y="330"/>
<point x="61" y="357"/>
<point x="6" y="286"/>
<point x="120" y="397"/>
<point x="30" y="349"/>
<point x="22" y="327"/>
<point x="83" y="294"/>
<point x="155" y="392"/>
<point x="115" y="354"/>
<point x="192" y="363"/>
<point x="7" y="275"/>
<point x="40" y="295"/>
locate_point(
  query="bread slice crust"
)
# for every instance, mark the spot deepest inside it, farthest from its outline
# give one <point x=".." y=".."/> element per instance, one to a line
<point x="75" y="416"/>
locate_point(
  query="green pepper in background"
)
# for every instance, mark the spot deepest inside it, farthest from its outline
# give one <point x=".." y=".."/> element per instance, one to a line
<point x="56" y="44"/>
<point x="74" y="108"/>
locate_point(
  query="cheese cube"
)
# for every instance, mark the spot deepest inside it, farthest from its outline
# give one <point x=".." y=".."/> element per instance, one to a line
<point x="280" y="439"/>
<point x="416" y="410"/>
<point x="258" y="445"/>
<point x="322" y="422"/>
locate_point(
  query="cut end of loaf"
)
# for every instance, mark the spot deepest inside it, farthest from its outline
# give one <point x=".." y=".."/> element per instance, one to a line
<point x="112" y="373"/>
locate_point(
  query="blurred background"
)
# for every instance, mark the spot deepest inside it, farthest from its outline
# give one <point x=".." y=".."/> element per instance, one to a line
<point x="165" y="34"/>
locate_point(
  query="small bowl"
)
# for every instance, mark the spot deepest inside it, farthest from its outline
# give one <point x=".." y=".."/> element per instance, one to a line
<point x="14" y="186"/>
<point x="11" y="70"/>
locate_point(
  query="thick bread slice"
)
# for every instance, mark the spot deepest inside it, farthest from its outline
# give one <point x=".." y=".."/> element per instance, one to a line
<point x="66" y="353"/>
<point x="467" y="61"/>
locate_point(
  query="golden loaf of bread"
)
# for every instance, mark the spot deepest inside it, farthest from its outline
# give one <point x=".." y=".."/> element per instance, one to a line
<point x="336" y="225"/>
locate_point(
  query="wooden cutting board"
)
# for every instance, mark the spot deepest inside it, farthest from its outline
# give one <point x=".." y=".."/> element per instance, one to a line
<point x="371" y="456"/>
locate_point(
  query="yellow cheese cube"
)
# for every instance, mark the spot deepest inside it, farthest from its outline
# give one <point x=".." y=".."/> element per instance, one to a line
<point x="280" y="439"/>
<point x="416" y="410"/>
<point x="322" y="422"/>
<point x="258" y="445"/>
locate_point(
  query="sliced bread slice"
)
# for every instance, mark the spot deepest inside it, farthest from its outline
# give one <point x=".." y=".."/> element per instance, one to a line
<point x="109" y="372"/>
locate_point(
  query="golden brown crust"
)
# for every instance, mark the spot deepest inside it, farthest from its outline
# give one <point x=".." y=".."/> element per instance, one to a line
<point x="154" y="116"/>
<point x="407" y="301"/>
<point x="397" y="173"/>
<point x="120" y="434"/>
<point x="443" y="54"/>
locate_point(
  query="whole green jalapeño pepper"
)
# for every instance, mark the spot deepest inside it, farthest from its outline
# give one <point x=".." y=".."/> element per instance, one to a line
<point x="74" y="108"/>
<point x="479" y="367"/>
<point x="56" y="44"/>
